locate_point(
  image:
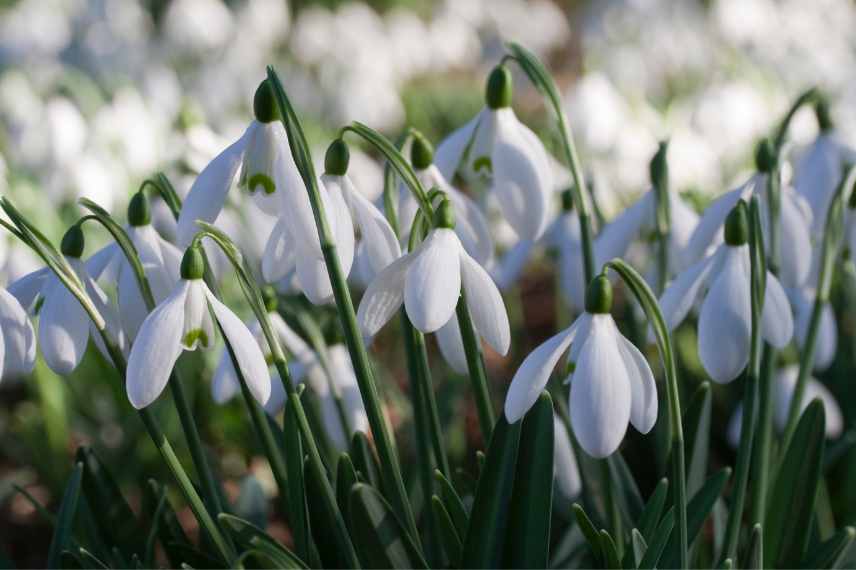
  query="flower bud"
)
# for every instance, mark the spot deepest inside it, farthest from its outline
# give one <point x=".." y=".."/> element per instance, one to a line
<point x="269" y="298"/>
<point x="192" y="264"/>
<point x="337" y="158"/>
<point x="567" y="200"/>
<point x="824" y="118"/>
<point x="737" y="226"/>
<point x="444" y="215"/>
<point x="599" y="295"/>
<point x="765" y="156"/>
<point x="421" y="152"/>
<point x="73" y="242"/>
<point x="264" y="107"/>
<point x="139" y="210"/>
<point x="658" y="168"/>
<point x="499" y="88"/>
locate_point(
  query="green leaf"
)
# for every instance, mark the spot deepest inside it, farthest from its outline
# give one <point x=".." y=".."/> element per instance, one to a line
<point x="628" y="498"/>
<point x="346" y="478"/>
<point x="589" y="531"/>
<point x="449" y="537"/>
<point x="697" y="437"/>
<point x="639" y="547"/>
<point x="297" y="500"/>
<point x="322" y="522"/>
<point x="832" y="553"/>
<point x="795" y="491"/>
<point x="89" y="559"/>
<point x="756" y="548"/>
<point x="364" y="460"/>
<point x="116" y="522"/>
<point x="378" y="535"/>
<point x="248" y="535"/>
<point x="658" y="541"/>
<point x="453" y="503"/>
<point x="653" y="510"/>
<point x="169" y="530"/>
<point x="484" y="542"/>
<point x="528" y="535"/>
<point x="610" y="554"/>
<point x="65" y="517"/>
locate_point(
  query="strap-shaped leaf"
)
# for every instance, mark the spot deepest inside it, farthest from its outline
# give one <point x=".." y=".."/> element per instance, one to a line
<point x="297" y="501"/>
<point x="756" y="548"/>
<point x="831" y="554"/>
<point x="589" y="531"/>
<point x="610" y="553"/>
<point x="637" y="550"/>
<point x="322" y="522"/>
<point x="528" y="535"/>
<point x="365" y="461"/>
<point x="248" y="535"/>
<point x="486" y="535"/>
<point x="65" y="517"/>
<point x="795" y="491"/>
<point x="346" y="478"/>
<point x="628" y="497"/>
<point x="378" y="535"/>
<point x="449" y="537"/>
<point x="653" y="510"/>
<point x="658" y="542"/>
<point x="453" y="503"/>
<point x="163" y="523"/>
<point x="697" y="422"/>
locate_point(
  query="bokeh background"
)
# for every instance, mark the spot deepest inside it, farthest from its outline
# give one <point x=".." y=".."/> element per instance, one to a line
<point x="97" y="95"/>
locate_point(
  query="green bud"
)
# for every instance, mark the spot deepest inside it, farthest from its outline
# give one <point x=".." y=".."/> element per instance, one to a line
<point x="270" y="298"/>
<point x="737" y="226"/>
<point x="567" y="200"/>
<point x="139" y="210"/>
<point x="824" y="118"/>
<point x="658" y="168"/>
<point x="498" y="91"/>
<point x="337" y="158"/>
<point x="264" y="106"/>
<point x="73" y="242"/>
<point x="421" y="152"/>
<point x="444" y="215"/>
<point x="765" y="156"/>
<point x="193" y="263"/>
<point x="599" y="295"/>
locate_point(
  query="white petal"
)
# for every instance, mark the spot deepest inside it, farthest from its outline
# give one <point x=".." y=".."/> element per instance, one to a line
<point x="452" y="346"/>
<point x="735" y="426"/>
<point x="724" y="323"/>
<point x="297" y="210"/>
<point x="313" y="277"/>
<point x="384" y="296"/>
<point x="522" y="177"/>
<point x="63" y="328"/>
<point x="156" y="349"/>
<point x="379" y="240"/>
<point x="450" y="151"/>
<point x="816" y="175"/>
<point x="198" y="327"/>
<point x="615" y="238"/>
<point x="104" y="263"/>
<point x="532" y="376"/>
<point x="600" y="399"/>
<point x="777" y="324"/>
<point x="684" y="221"/>
<point x="827" y="339"/>
<point x="643" y="406"/>
<point x="572" y="276"/>
<point x="19" y="340"/>
<point x="795" y="237"/>
<point x="433" y="282"/>
<point x="132" y="308"/>
<point x="278" y="397"/>
<point x="786" y="381"/>
<point x="681" y="294"/>
<point x="248" y="355"/>
<point x="567" y="473"/>
<point x="279" y="258"/>
<point x="341" y="224"/>
<point x="290" y="339"/>
<point x="224" y="384"/>
<point x="712" y="220"/>
<point x="208" y="193"/>
<point x="485" y="303"/>
<point x="27" y="288"/>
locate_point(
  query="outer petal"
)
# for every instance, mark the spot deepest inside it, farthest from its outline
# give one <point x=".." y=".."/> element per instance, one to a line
<point x="224" y="384"/>
<point x="384" y="296"/>
<point x="381" y="245"/>
<point x="532" y="376"/>
<point x="795" y="232"/>
<point x="340" y="219"/>
<point x="104" y="263"/>
<point x="292" y="341"/>
<point x="643" y="406"/>
<point x="156" y="349"/>
<point x="777" y="323"/>
<point x="681" y="294"/>
<point x="615" y="238"/>
<point x="247" y="352"/>
<point x="132" y="308"/>
<point x="19" y="340"/>
<point x="712" y="220"/>
<point x="724" y="323"/>
<point x="433" y="282"/>
<point x="485" y="303"/>
<point x="786" y="381"/>
<point x="816" y="174"/>
<point x="522" y="177"/>
<point x="63" y="328"/>
<point x="27" y="288"/>
<point x="565" y="469"/>
<point x="600" y="398"/>
<point x="452" y="346"/>
<point x="450" y="152"/>
<point x="208" y="193"/>
<point x="279" y="258"/>
<point x="313" y="277"/>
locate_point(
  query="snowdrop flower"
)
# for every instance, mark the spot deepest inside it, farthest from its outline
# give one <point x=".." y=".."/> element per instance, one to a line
<point x="795" y="220"/>
<point x="470" y="223"/>
<point x="225" y="384"/>
<point x="17" y="339"/>
<point x="64" y="325"/>
<point x="496" y="151"/>
<point x="819" y="169"/>
<point x="785" y="382"/>
<point x="564" y="235"/>
<point x="725" y="321"/>
<point x="160" y="260"/>
<point x="377" y="240"/>
<point x="183" y="322"/>
<point x="429" y="280"/>
<point x="802" y="300"/>
<point x="611" y="382"/>
<point x="566" y="472"/>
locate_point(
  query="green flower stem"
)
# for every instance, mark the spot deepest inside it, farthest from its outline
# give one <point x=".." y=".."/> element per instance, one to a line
<point x="807" y="97"/>
<point x="750" y="398"/>
<point x="476" y="368"/>
<point x="365" y="379"/>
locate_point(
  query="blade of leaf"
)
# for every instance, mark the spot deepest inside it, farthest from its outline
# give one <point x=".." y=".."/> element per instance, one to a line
<point x="65" y="517"/>
<point x="589" y="531"/>
<point x="365" y="461"/>
<point x="697" y="436"/>
<point x="449" y="536"/>
<point x="607" y="547"/>
<point x="346" y="478"/>
<point x="322" y="521"/>
<point x="639" y="547"/>
<point x="756" y="548"/>
<point x="832" y="553"/>
<point x="453" y="503"/>
<point x="248" y="535"/>
<point x="653" y="510"/>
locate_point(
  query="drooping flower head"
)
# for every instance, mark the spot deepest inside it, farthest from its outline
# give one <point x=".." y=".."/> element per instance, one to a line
<point x="611" y="381"/>
<point x="183" y="322"/>
<point x="497" y="152"/>
<point x="17" y="339"/>
<point x="725" y="321"/>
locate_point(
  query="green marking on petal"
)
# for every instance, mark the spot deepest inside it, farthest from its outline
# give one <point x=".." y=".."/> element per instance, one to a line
<point x="483" y="163"/>
<point x="263" y="180"/>
<point x="194" y="336"/>
<point x="269" y="359"/>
